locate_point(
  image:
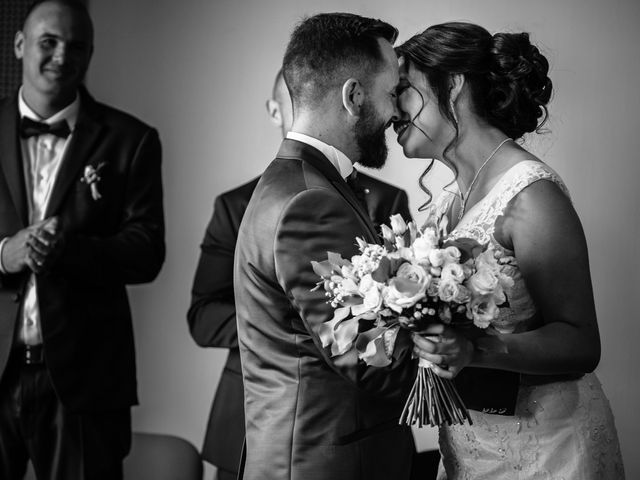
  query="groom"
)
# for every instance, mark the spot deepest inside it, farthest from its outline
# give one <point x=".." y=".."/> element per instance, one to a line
<point x="310" y="415"/>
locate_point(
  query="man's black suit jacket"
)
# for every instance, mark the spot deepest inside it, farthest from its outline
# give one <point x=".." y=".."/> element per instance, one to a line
<point x="110" y="242"/>
<point x="211" y="316"/>
<point x="309" y="415"/>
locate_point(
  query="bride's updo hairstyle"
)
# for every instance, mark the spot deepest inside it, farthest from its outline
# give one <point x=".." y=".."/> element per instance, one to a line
<point x="506" y="74"/>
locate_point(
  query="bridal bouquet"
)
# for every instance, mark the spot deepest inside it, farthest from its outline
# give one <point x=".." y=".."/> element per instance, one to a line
<point x="417" y="277"/>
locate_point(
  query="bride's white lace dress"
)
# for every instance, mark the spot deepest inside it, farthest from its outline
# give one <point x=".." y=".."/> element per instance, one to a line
<point x="561" y="430"/>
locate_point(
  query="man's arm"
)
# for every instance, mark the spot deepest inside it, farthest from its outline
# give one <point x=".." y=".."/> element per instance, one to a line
<point x="135" y="253"/>
<point x="212" y="313"/>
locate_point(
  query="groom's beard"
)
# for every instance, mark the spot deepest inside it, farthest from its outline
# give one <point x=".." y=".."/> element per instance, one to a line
<point x="370" y="137"/>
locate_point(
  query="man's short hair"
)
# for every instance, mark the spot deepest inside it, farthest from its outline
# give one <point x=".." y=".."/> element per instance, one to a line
<point x="79" y="6"/>
<point x="327" y="49"/>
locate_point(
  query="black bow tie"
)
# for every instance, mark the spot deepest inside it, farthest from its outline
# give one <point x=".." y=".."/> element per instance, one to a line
<point x="30" y="128"/>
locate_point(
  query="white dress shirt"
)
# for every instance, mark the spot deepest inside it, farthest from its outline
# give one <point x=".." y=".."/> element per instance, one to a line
<point x="42" y="156"/>
<point x="335" y="156"/>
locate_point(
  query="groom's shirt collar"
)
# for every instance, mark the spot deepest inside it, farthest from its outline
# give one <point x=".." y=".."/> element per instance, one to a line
<point x="68" y="113"/>
<point x="338" y="159"/>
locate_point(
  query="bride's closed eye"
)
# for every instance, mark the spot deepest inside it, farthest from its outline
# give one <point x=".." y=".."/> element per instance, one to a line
<point x="401" y="88"/>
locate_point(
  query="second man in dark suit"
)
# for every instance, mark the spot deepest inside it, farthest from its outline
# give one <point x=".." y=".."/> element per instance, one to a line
<point x="211" y="316"/>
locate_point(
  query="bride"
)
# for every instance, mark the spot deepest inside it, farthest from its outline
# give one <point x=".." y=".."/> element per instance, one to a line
<point x="465" y="96"/>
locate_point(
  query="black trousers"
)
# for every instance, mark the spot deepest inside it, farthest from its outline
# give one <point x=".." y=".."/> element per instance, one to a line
<point x="61" y="445"/>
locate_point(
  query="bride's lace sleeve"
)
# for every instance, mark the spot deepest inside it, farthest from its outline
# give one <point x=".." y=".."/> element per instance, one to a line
<point x="517" y="179"/>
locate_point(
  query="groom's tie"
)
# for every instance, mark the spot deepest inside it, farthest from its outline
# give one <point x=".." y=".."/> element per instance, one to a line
<point x="352" y="181"/>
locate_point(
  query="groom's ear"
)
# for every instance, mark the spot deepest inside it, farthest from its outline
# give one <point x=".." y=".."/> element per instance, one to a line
<point x="352" y="96"/>
<point x="275" y="115"/>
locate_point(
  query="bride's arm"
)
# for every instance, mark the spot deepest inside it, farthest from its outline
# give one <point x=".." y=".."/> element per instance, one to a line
<point x="542" y="228"/>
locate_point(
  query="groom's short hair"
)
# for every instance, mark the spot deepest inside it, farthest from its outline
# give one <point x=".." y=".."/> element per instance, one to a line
<point x="327" y="49"/>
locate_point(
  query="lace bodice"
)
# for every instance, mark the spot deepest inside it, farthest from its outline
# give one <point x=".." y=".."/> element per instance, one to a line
<point x="479" y="223"/>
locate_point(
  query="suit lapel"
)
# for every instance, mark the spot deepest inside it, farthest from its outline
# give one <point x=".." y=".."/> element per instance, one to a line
<point x="11" y="157"/>
<point x="307" y="153"/>
<point x="350" y="196"/>
<point x="82" y="143"/>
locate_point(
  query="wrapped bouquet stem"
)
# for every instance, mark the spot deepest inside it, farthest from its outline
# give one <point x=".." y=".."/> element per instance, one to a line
<point x="416" y="278"/>
<point x="433" y="400"/>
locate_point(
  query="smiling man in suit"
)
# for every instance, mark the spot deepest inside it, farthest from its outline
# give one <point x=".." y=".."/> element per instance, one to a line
<point x="211" y="316"/>
<point x="80" y="218"/>
<point x="310" y="415"/>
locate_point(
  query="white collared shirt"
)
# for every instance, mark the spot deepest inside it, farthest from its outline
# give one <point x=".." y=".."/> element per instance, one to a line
<point x="42" y="156"/>
<point x="338" y="159"/>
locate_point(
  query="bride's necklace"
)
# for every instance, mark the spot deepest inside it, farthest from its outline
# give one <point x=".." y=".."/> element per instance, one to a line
<point x="465" y="197"/>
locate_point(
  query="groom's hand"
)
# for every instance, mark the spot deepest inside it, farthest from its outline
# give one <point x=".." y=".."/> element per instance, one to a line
<point x="446" y="349"/>
<point x="34" y="247"/>
<point x="45" y="244"/>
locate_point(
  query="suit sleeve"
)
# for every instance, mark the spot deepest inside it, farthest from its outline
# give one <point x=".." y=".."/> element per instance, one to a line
<point x="212" y="313"/>
<point x="317" y="221"/>
<point x="136" y="251"/>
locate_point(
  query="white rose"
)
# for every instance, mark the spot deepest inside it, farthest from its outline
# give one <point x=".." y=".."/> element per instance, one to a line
<point x="436" y="257"/>
<point x="422" y="247"/>
<point x="407" y="287"/>
<point x="451" y="255"/>
<point x="482" y="310"/>
<point x="453" y="271"/>
<point x="452" y="292"/>
<point x="487" y="260"/>
<point x="483" y="282"/>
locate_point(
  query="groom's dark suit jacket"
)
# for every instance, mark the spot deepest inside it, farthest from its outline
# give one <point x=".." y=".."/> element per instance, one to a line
<point x="212" y="314"/>
<point x="110" y="242"/>
<point x="309" y="415"/>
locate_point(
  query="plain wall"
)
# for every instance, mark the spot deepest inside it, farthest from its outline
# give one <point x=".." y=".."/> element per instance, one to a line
<point x="200" y="71"/>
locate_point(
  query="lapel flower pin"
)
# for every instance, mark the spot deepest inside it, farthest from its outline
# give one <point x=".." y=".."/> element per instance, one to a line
<point x="92" y="177"/>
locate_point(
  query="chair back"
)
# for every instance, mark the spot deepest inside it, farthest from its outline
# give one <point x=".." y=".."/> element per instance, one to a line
<point x="162" y="457"/>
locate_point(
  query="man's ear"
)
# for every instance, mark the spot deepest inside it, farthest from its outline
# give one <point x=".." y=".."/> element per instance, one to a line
<point x="273" y="109"/>
<point x="18" y="44"/>
<point x="457" y="83"/>
<point x="352" y="96"/>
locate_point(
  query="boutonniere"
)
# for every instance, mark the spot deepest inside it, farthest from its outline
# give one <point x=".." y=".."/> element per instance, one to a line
<point x="92" y="177"/>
